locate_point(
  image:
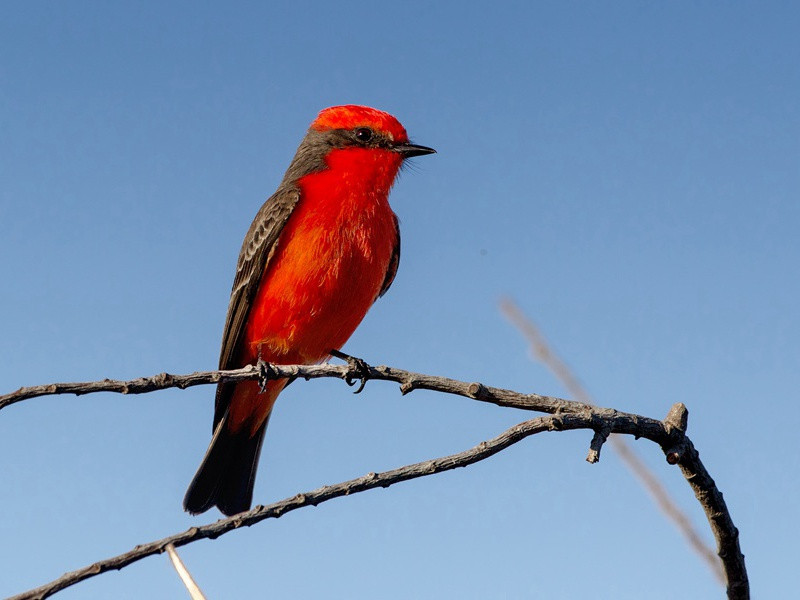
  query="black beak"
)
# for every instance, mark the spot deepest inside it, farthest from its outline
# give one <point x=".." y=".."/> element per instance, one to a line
<point x="408" y="150"/>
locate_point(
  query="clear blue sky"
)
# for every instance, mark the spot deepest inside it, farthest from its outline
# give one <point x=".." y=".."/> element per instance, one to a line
<point x="628" y="172"/>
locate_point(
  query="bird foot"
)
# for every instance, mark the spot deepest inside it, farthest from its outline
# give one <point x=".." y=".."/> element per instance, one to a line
<point x="359" y="369"/>
<point x="265" y="373"/>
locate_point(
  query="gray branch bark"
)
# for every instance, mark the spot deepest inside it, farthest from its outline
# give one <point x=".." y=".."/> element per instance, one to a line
<point x="669" y="434"/>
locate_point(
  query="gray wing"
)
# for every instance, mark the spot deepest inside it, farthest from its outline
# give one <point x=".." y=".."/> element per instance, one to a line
<point x="257" y="250"/>
<point x="394" y="262"/>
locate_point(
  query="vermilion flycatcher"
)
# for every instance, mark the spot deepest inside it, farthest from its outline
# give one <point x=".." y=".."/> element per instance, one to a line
<point x="320" y="251"/>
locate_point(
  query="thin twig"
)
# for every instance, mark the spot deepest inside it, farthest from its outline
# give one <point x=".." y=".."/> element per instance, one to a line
<point x="647" y="478"/>
<point x="566" y="415"/>
<point x="183" y="573"/>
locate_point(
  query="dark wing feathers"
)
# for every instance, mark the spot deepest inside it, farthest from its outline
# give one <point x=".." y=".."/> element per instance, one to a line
<point x="257" y="249"/>
<point x="394" y="262"/>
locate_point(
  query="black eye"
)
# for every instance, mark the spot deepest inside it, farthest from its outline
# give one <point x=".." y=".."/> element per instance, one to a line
<point x="363" y="134"/>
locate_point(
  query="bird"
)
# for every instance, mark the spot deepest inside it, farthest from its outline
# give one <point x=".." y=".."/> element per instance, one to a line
<point x="319" y="252"/>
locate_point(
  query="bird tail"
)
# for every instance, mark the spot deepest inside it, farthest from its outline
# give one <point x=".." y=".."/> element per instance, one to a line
<point x="226" y="476"/>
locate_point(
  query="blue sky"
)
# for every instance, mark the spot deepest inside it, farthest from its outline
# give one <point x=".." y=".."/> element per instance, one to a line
<point x="627" y="172"/>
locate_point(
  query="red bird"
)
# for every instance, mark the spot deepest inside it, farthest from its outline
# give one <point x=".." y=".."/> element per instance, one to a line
<point x="319" y="252"/>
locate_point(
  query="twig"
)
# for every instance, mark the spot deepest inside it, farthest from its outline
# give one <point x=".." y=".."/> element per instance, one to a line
<point x="183" y="573"/>
<point x="647" y="478"/>
<point x="566" y="415"/>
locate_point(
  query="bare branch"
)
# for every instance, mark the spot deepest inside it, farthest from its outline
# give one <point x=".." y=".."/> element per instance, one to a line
<point x="676" y="417"/>
<point x="566" y="415"/>
<point x="409" y="381"/>
<point x="186" y="578"/>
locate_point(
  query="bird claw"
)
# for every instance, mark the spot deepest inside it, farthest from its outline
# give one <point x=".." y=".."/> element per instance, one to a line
<point x="265" y="373"/>
<point x="358" y="366"/>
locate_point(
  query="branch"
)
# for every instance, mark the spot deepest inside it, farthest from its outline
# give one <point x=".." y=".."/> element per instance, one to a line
<point x="566" y="415"/>
<point x="408" y="382"/>
<point x="541" y="349"/>
<point x="186" y="578"/>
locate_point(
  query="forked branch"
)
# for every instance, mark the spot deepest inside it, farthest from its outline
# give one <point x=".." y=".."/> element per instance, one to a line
<point x="669" y="434"/>
<point x="544" y="353"/>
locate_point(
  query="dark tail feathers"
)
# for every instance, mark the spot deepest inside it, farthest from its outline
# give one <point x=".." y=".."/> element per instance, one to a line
<point x="226" y="476"/>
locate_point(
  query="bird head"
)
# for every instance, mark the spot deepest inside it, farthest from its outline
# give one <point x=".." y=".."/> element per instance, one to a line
<point x="365" y="127"/>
